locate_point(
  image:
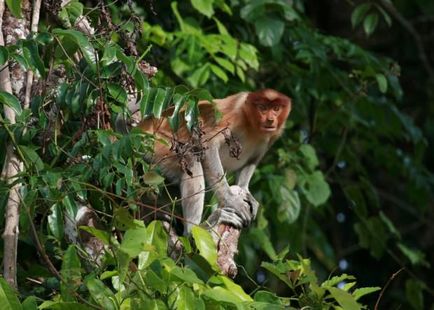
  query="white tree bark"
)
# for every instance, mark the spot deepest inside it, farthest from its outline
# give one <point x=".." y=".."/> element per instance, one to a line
<point x="12" y="166"/>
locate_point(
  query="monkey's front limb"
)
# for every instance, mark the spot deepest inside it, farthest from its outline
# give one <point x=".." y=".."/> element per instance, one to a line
<point x="226" y="235"/>
<point x="237" y="206"/>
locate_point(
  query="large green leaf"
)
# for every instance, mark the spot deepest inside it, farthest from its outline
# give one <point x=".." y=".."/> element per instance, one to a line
<point x="359" y="12"/>
<point x="134" y="242"/>
<point x="81" y="41"/>
<point x="269" y="30"/>
<point x="4" y="55"/>
<point x="345" y="300"/>
<point x="8" y="298"/>
<point x="10" y="101"/>
<point x="370" y="23"/>
<point x="204" y="6"/>
<point x="55" y="221"/>
<point x="101" y="294"/>
<point x="117" y="92"/>
<point x="315" y="188"/>
<point x="187" y="300"/>
<point x="15" y="7"/>
<point x="31" y="157"/>
<point x="205" y="244"/>
<point x="71" y="274"/>
<point x="31" y="53"/>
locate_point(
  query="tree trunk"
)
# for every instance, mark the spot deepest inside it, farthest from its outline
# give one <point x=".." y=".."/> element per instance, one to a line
<point x="12" y="81"/>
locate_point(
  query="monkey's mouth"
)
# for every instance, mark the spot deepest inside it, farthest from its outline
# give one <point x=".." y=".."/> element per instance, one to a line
<point x="269" y="128"/>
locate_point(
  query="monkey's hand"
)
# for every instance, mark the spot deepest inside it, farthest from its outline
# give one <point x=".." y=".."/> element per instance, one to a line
<point x="239" y="208"/>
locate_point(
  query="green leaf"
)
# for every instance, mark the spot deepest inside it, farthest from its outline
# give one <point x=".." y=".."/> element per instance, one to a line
<point x="382" y="82"/>
<point x="370" y="23"/>
<point x="219" y="73"/>
<point x="205" y="244"/>
<point x="234" y="288"/>
<point x="117" y="92"/>
<point x="53" y="305"/>
<point x="309" y="155"/>
<point x="71" y="274"/>
<point x="55" y="221"/>
<point x="191" y="114"/>
<point x="344" y="299"/>
<point x="229" y="66"/>
<point x="161" y="100"/>
<point x="269" y="30"/>
<point x="157" y="237"/>
<point x="200" y="76"/>
<point x="31" y="53"/>
<point x="101" y="294"/>
<point x="11" y="101"/>
<point x="360" y="292"/>
<point x="30" y="303"/>
<point x="134" y="241"/>
<point x="187" y="300"/>
<point x="289" y="209"/>
<point x="414" y="292"/>
<point x="82" y="42"/>
<point x="315" y="188"/>
<point x="15" y="7"/>
<point x="4" y="55"/>
<point x="185" y="275"/>
<point x="372" y="235"/>
<point x="153" y="178"/>
<point x="99" y="234"/>
<point x="8" y="298"/>
<point x="71" y="12"/>
<point x="204" y="6"/>
<point x="386" y="16"/>
<point x="358" y="13"/>
<point x="178" y="103"/>
<point x="336" y="280"/>
<point x="221" y="294"/>
<point x="32" y="157"/>
<point x="264" y="242"/>
<point x="415" y="256"/>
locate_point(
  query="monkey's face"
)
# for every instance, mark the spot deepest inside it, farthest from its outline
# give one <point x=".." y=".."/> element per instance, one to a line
<point x="268" y="116"/>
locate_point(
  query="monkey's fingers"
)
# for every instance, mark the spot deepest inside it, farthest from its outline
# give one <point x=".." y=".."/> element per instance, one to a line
<point x="229" y="216"/>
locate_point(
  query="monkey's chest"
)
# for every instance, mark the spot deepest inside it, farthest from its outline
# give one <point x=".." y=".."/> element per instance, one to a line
<point x="250" y="152"/>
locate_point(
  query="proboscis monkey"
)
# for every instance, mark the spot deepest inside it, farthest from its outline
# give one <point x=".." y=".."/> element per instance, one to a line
<point x="250" y="123"/>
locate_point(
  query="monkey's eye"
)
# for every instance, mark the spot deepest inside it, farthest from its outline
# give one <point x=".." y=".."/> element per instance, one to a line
<point x="276" y="108"/>
<point x="262" y="107"/>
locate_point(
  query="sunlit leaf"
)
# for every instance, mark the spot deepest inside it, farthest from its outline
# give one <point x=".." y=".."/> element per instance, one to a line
<point x="205" y="244"/>
<point x="204" y="6"/>
<point x="360" y="292"/>
<point x="101" y="293"/>
<point x="345" y="299"/>
<point x="153" y="178"/>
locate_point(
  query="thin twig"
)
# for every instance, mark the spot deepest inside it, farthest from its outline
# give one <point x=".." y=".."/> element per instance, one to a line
<point x="385" y="286"/>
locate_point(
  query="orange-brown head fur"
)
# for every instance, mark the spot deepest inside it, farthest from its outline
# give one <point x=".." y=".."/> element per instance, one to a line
<point x="267" y="110"/>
